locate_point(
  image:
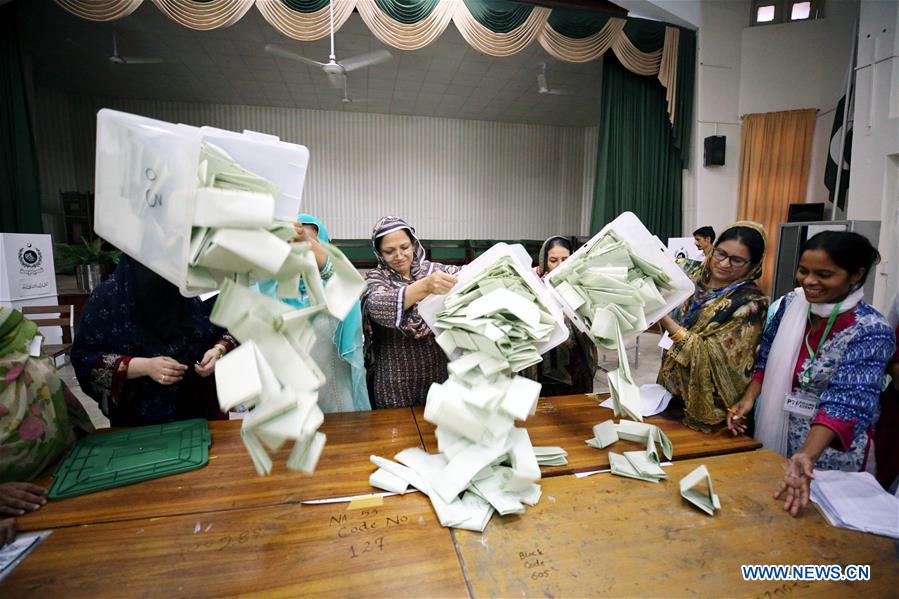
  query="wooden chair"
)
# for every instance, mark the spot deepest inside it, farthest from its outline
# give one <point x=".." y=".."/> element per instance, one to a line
<point x="59" y="316"/>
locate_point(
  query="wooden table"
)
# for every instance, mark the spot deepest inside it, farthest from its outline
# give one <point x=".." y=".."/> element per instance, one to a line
<point x="612" y="536"/>
<point x="230" y="481"/>
<point x="567" y="421"/>
<point x="397" y="549"/>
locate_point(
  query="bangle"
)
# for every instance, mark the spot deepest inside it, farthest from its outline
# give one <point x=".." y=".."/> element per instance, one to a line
<point x="220" y="348"/>
<point x="679" y="335"/>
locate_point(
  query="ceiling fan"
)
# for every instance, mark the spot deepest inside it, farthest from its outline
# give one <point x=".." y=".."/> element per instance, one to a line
<point x="543" y="88"/>
<point x="116" y="58"/>
<point x="336" y="71"/>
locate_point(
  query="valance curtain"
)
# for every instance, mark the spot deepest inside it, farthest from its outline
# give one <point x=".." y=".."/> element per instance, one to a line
<point x="493" y="27"/>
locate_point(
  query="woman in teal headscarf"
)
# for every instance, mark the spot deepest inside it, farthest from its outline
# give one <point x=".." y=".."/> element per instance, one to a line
<point x="342" y="361"/>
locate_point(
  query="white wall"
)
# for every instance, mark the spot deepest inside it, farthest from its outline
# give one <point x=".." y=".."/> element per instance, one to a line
<point x="715" y="188"/>
<point x="452" y="179"/>
<point x="745" y="70"/>
<point x="874" y="181"/>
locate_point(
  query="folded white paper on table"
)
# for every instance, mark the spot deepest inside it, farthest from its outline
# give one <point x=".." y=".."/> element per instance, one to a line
<point x="696" y="487"/>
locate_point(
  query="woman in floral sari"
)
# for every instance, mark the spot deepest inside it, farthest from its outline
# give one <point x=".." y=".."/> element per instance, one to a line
<point x="39" y="416"/>
<point x="716" y="332"/>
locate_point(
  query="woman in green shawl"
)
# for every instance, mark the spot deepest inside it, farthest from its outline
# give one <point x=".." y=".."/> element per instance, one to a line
<point x="716" y="332"/>
<point x="39" y="416"/>
<point x="338" y="350"/>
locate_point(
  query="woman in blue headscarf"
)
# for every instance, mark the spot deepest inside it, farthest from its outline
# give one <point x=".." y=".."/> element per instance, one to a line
<point x="342" y="359"/>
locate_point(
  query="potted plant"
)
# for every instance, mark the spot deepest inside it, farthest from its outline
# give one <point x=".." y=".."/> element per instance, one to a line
<point x="88" y="260"/>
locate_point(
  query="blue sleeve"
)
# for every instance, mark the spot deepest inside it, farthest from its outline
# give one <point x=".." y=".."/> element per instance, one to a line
<point x="853" y="392"/>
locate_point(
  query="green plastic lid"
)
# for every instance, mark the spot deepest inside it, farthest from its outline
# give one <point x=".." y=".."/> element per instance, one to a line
<point x="106" y="461"/>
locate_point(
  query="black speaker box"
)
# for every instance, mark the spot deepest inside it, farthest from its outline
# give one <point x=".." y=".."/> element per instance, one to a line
<point x="714" y="150"/>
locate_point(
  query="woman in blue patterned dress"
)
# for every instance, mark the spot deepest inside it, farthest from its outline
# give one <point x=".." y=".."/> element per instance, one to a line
<point x="820" y="367"/>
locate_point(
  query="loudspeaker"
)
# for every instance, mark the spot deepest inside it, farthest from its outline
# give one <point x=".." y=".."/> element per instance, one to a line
<point x="714" y="150"/>
<point x="805" y="213"/>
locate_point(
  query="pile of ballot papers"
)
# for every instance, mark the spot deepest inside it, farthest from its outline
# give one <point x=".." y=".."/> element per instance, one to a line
<point x="491" y="326"/>
<point x="642" y="465"/>
<point x="612" y="288"/>
<point x="855" y="500"/>
<point x="235" y="241"/>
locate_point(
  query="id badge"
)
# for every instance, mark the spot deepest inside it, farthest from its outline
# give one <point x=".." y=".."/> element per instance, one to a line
<point x="801" y="404"/>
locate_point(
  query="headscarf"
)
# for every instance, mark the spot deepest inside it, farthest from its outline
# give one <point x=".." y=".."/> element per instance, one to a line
<point x="16" y="331"/>
<point x="390" y="224"/>
<point x="543" y="257"/>
<point x="347" y="336"/>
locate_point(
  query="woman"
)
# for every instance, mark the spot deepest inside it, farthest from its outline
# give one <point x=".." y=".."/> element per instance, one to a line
<point x="820" y="367"/>
<point x="402" y="357"/>
<point x="338" y="350"/>
<point x="133" y="346"/>
<point x="569" y="368"/>
<point x="39" y="417"/>
<point x="715" y="333"/>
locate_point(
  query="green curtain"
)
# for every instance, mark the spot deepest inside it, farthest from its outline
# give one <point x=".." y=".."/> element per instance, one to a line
<point x="683" y="105"/>
<point x="20" y="198"/>
<point x="305" y="5"/>
<point x="577" y="24"/>
<point x="499" y="16"/>
<point x="407" y="11"/>
<point x="638" y="166"/>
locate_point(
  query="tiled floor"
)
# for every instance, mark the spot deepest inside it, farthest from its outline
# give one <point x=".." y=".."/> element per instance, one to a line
<point x="645" y="368"/>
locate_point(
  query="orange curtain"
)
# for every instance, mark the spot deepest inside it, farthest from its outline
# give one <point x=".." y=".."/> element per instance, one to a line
<point x="774" y="163"/>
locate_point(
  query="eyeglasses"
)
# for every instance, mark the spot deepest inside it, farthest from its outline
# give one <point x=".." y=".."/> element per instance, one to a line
<point x="735" y="261"/>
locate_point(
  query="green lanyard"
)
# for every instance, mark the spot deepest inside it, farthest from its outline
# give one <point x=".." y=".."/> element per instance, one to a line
<point x="805" y="375"/>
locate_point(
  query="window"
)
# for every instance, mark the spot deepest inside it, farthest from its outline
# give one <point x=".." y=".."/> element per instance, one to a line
<point x="800" y="11"/>
<point x="766" y="12"/>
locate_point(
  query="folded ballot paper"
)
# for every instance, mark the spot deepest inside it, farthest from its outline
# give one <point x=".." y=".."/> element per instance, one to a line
<point x="696" y="488"/>
<point x="642" y="465"/>
<point x="496" y="321"/>
<point x="855" y="500"/>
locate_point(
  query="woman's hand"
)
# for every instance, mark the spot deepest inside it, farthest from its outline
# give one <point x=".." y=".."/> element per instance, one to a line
<point x="794" y="488"/>
<point x="439" y="283"/>
<point x="162" y="369"/>
<point x="19" y="498"/>
<point x="736" y="415"/>
<point x="206" y="366"/>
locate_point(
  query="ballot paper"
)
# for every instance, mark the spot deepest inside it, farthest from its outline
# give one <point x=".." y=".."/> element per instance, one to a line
<point x="696" y="488"/>
<point x="271" y="377"/>
<point x="655" y="399"/>
<point x="855" y="500"/>
<point x="12" y="554"/>
<point x="494" y="323"/>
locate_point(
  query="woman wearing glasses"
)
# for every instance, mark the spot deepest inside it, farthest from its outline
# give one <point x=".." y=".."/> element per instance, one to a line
<point x="716" y="332"/>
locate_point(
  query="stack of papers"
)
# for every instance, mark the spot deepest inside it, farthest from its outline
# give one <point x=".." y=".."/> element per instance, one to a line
<point x="235" y="241"/>
<point x="551" y="456"/>
<point x="855" y="500"/>
<point x="491" y="325"/>
<point x="636" y="464"/>
<point x="696" y="488"/>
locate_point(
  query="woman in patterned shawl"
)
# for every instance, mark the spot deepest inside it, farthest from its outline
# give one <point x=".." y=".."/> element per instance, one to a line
<point x="819" y="373"/>
<point x="39" y="416"/>
<point x="401" y="355"/>
<point x="716" y="332"/>
<point x="144" y="353"/>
